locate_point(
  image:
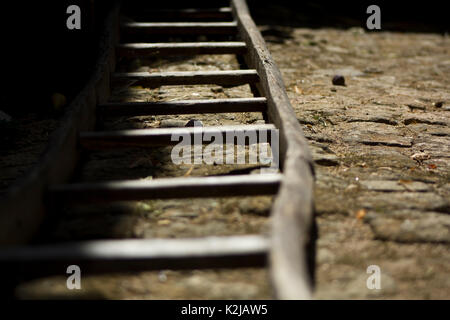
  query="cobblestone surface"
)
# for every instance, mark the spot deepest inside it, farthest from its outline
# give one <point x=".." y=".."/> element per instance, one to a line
<point x="381" y="145"/>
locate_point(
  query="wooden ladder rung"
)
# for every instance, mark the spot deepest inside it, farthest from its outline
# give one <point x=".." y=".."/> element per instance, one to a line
<point x="223" y="77"/>
<point x="216" y="14"/>
<point x="178" y="28"/>
<point x="258" y="104"/>
<point x="167" y="188"/>
<point x="119" y="139"/>
<point x="138" y="255"/>
<point x="181" y="48"/>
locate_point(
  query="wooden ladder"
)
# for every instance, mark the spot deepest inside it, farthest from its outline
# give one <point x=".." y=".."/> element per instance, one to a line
<point x="287" y="250"/>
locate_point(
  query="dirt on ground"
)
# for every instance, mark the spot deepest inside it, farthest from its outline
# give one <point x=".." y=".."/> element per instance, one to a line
<point x="381" y="147"/>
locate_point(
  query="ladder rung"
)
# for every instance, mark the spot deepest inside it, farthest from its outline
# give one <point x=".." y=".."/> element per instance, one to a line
<point x="95" y="140"/>
<point x="177" y="28"/>
<point x="258" y="104"/>
<point x="180" y="48"/>
<point x="227" y="77"/>
<point x="167" y="188"/>
<point x="138" y="255"/>
<point x="217" y="14"/>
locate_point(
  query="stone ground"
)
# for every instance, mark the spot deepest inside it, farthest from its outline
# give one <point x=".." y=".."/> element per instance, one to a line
<point x="381" y="146"/>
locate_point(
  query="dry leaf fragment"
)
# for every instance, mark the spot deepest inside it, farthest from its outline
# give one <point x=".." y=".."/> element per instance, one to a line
<point x="360" y="214"/>
<point x="164" y="222"/>
<point x="188" y="173"/>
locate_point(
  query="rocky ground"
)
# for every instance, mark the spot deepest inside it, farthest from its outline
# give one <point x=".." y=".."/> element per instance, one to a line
<point x="381" y="146"/>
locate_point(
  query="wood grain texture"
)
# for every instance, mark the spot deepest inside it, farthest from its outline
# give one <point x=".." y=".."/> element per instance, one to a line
<point x="133" y="255"/>
<point x="166" y="188"/>
<point x="179" y="28"/>
<point x="292" y="212"/>
<point x="132" y="50"/>
<point x="97" y="140"/>
<point x="189" y="14"/>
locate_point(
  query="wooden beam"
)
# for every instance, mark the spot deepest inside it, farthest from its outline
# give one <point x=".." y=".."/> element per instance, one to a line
<point x="166" y="188"/>
<point x="133" y="255"/>
<point x="291" y="253"/>
<point x="184" y="107"/>
<point x="179" y="28"/>
<point x="225" y="77"/>
<point x="180" y="48"/>
<point x="190" y="14"/>
<point x="95" y="140"/>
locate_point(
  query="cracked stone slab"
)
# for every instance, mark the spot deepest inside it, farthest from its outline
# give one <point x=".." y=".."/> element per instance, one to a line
<point x="426" y="201"/>
<point x="373" y="113"/>
<point x="427" y="129"/>
<point x="379" y="139"/>
<point x="346" y="72"/>
<point x="374" y="134"/>
<point x="399" y="185"/>
<point x="317" y="137"/>
<point x="415" y="226"/>
<point x="325" y="159"/>
<point x="322" y="155"/>
<point x="437" y="147"/>
<point x="428" y="118"/>
<point x="378" y="157"/>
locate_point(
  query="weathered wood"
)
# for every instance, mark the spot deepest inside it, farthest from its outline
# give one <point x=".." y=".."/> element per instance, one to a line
<point x="179" y="28"/>
<point x="293" y="208"/>
<point x="184" y="107"/>
<point x="23" y="206"/>
<point x="96" y="140"/>
<point x="190" y="14"/>
<point x="292" y="214"/>
<point x="166" y="188"/>
<point x="180" y="48"/>
<point x="225" y="78"/>
<point x="138" y="255"/>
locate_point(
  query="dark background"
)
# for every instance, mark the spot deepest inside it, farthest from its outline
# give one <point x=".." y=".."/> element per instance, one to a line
<point x="41" y="56"/>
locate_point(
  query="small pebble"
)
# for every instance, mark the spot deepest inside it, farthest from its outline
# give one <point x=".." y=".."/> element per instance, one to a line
<point x="438" y="104"/>
<point x="338" y="80"/>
